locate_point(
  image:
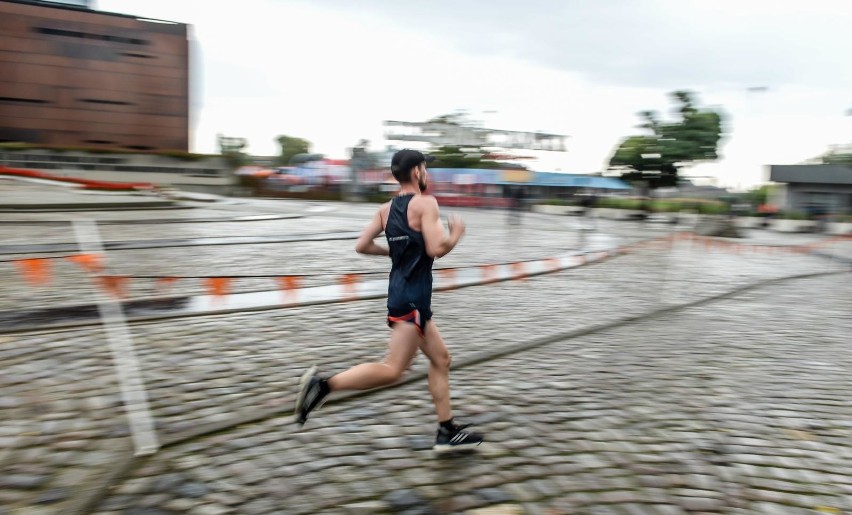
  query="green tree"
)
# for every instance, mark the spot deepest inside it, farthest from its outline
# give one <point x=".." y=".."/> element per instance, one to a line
<point x="232" y="149"/>
<point x="759" y="195"/>
<point x="656" y="158"/>
<point x="290" y="147"/>
<point x="837" y="158"/>
<point x="450" y="156"/>
<point x="464" y="156"/>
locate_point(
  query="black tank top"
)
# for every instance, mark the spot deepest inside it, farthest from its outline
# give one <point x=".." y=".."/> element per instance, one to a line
<point x="410" y="284"/>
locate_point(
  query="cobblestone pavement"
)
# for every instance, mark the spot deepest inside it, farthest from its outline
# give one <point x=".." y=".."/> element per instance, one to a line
<point x="738" y="406"/>
<point x="34" y="194"/>
<point x="69" y="286"/>
<point x="540" y="236"/>
<point x="734" y="405"/>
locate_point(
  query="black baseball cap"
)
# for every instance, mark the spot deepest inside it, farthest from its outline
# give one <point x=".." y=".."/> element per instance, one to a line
<point x="406" y="159"/>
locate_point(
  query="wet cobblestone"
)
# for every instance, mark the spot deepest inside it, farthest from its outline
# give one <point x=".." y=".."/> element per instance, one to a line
<point x="713" y="396"/>
<point x="734" y="405"/>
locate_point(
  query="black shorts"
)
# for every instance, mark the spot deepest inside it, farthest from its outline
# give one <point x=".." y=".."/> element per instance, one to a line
<point x="410" y="315"/>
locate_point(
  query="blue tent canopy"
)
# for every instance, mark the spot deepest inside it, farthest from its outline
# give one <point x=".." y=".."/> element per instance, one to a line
<point x="579" y="181"/>
<point x="551" y="179"/>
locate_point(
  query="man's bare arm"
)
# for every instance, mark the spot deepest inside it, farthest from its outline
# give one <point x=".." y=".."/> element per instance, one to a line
<point x="365" y="243"/>
<point x="439" y="244"/>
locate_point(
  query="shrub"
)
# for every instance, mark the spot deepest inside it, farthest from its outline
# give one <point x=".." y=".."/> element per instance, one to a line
<point x="666" y="206"/>
<point x="183" y="156"/>
<point x="14" y="145"/>
<point x="620" y="203"/>
<point x="791" y="215"/>
<point x="174" y="154"/>
<point x="712" y="208"/>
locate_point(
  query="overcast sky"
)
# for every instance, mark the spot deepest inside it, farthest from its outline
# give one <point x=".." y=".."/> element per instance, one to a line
<point x="330" y="71"/>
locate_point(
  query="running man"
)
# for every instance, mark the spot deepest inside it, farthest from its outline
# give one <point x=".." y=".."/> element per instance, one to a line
<point x="412" y="225"/>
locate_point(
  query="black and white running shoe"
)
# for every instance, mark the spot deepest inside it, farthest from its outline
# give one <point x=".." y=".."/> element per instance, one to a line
<point x="311" y="396"/>
<point x="456" y="438"/>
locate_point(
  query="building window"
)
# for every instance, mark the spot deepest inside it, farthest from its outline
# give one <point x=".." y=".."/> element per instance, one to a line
<point x="88" y="35"/>
<point x="99" y="141"/>
<point x="140" y="56"/>
<point x="23" y="100"/>
<point x="108" y="102"/>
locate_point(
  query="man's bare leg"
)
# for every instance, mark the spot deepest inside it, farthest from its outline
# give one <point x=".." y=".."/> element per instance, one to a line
<point x="313" y="389"/>
<point x="450" y="434"/>
<point x="404" y="341"/>
<point x="439" y="371"/>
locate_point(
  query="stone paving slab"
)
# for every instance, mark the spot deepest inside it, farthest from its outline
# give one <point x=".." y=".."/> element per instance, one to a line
<point x="220" y="367"/>
<point x="225" y="209"/>
<point x="538" y="236"/>
<point x="66" y="428"/>
<point x="69" y="284"/>
<point x="600" y="247"/>
<point x="843" y="249"/>
<point x="736" y="406"/>
<point x="18" y="195"/>
<point x="163" y="243"/>
<point x="504" y="244"/>
<point x="55" y="234"/>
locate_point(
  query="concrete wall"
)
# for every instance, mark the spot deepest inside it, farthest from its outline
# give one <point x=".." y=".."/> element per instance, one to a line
<point x="208" y="175"/>
<point x="779" y="197"/>
<point x="834" y="199"/>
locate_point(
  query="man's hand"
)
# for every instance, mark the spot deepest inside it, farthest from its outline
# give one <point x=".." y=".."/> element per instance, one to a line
<point x="456" y="226"/>
<point x="365" y="243"/>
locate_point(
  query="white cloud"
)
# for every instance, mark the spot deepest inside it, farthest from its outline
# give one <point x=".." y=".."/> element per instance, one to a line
<point x="269" y="67"/>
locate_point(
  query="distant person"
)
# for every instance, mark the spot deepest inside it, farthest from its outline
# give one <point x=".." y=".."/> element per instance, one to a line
<point x="516" y="204"/>
<point x="412" y="226"/>
<point x="647" y="207"/>
<point x="820" y="215"/>
<point x="768" y="211"/>
<point x="588" y="203"/>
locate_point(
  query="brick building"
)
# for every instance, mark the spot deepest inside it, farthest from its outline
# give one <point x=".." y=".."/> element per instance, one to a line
<point x="72" y="76"/>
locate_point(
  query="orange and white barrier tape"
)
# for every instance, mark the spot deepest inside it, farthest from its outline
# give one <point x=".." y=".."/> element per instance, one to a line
<point x="353" y="286"/>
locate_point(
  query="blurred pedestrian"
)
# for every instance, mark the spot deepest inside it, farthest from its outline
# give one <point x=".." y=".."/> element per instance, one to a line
<point x="516" y="204"/>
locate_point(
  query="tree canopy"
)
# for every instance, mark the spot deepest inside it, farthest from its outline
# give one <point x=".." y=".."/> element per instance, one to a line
<point x="233" y="150"/>
<point x="450" y="156"/>
<point x="291" y="147"/>
<point x="657" y="157"/>
<point x="838" y="157"/>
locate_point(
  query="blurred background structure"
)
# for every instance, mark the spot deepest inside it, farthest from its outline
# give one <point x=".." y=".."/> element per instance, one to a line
<point x="113" y="96"/>
<point x="76" y="77"/>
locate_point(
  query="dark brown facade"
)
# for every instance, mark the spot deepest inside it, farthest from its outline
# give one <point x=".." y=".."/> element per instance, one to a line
<point x="83" y="78"/>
